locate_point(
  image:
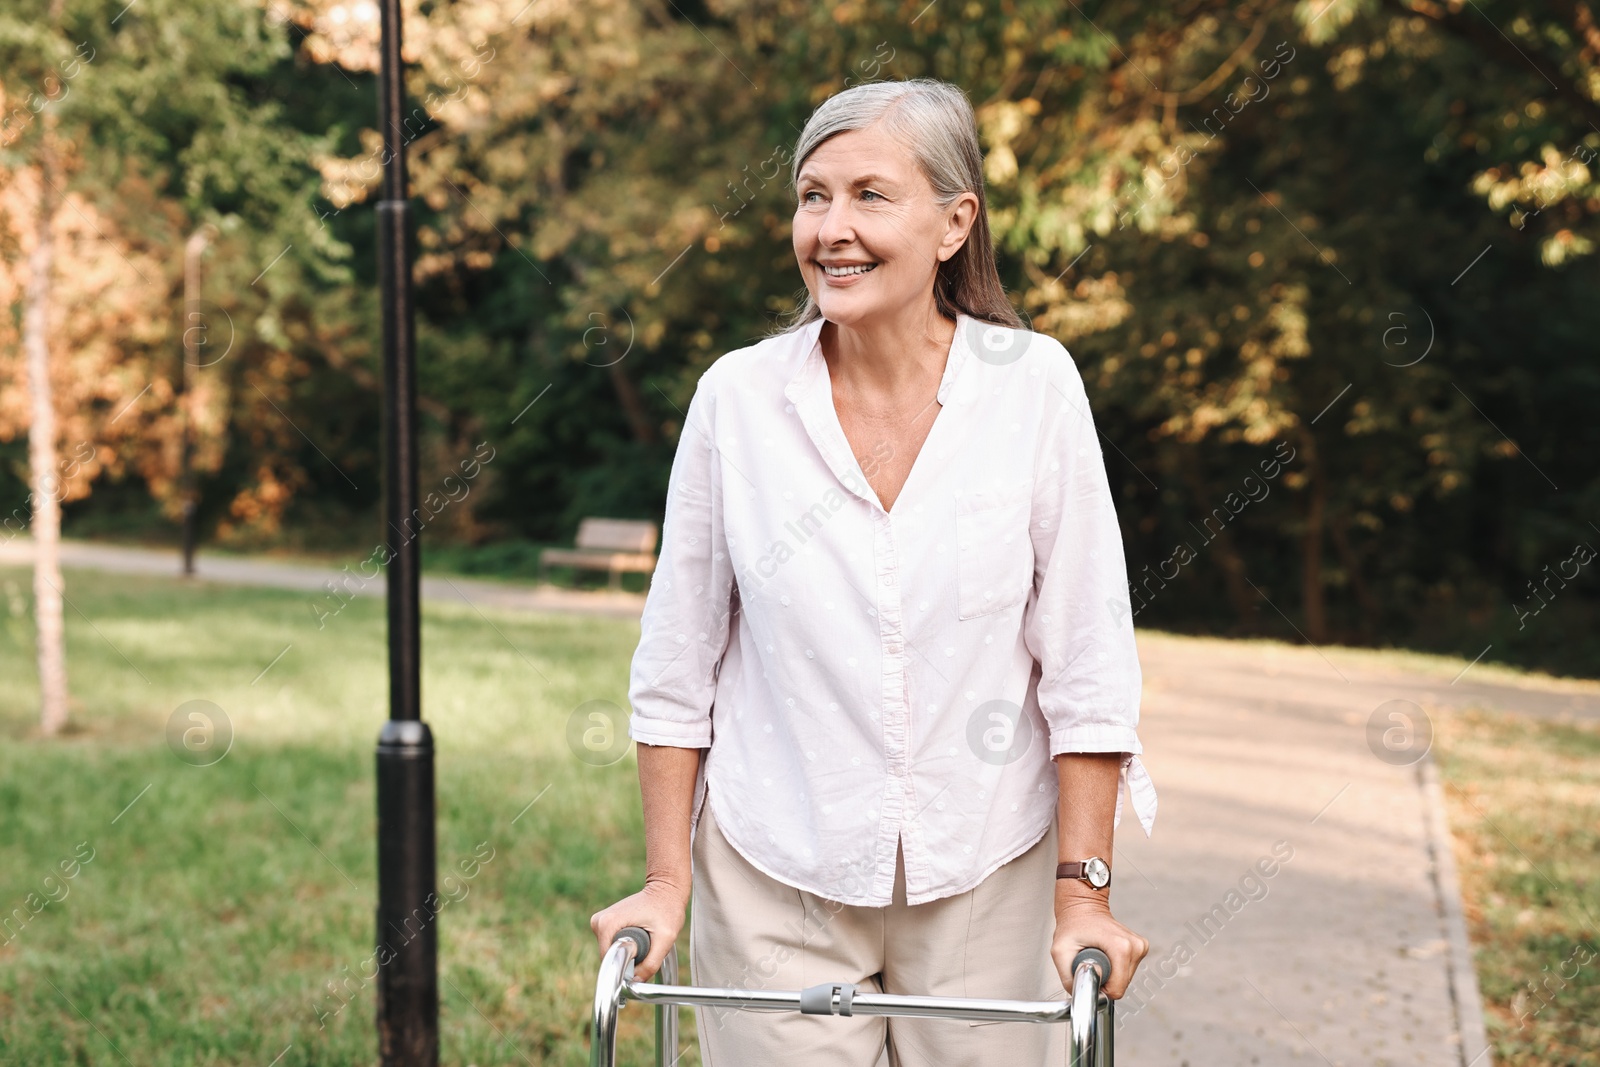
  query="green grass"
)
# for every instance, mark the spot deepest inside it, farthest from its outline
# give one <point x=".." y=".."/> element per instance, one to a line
<point x="1524" y="801"/>
<point x="221" y="900"/>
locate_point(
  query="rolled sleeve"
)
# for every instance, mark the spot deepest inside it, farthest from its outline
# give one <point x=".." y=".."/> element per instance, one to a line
<point x="685" y="624"/>
<point x="1078" y="624"/>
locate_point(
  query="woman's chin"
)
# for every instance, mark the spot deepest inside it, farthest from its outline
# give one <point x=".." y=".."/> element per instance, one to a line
<point x="847" y="310"/>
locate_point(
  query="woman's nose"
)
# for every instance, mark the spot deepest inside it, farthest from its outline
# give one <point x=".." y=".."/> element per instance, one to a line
<point x="837" y="226"/>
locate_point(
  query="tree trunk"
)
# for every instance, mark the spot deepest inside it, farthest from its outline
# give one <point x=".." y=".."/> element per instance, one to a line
<point x="1240" y="595"/>
<point x="628" y="395"/>
<point x="44" y="480"/>
<point x="1371" y="610"/>
<point x="194" y="329"/>
<point x="644" y="431"/>
<point x="1311" y="546"/>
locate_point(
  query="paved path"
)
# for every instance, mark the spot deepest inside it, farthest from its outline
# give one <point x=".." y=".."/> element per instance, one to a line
<point x="1350" y="951"/>
<point x="276" y="574"/>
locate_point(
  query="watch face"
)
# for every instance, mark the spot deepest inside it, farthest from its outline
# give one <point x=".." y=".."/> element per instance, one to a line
<point x="1097" y="872"/>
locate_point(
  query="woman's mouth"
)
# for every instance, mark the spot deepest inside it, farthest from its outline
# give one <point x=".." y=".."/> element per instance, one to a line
<point x="845" y="272"/>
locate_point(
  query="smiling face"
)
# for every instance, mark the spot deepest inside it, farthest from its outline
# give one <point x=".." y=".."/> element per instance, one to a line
<point x="868" y="234"/>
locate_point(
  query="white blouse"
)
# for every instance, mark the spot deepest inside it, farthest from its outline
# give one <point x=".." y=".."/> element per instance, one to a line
<point x="864" y="677"/>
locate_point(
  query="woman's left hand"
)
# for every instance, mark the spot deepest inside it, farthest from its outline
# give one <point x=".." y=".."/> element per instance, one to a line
<point x="1085" y="921"/>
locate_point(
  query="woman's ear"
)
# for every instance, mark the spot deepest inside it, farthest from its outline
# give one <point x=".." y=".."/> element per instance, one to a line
<point x="962" y="214"/>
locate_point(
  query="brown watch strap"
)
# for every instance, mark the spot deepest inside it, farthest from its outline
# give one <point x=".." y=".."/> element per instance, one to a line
<point x="1077" y="869"/>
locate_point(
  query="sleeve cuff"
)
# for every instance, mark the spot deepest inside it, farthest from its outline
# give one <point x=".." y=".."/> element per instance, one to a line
<point x="668" y="733"/>
<point x="1094" y="737"/>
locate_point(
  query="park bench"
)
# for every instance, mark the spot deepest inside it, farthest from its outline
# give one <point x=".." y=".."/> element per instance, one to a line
<point x="613" y="545"/>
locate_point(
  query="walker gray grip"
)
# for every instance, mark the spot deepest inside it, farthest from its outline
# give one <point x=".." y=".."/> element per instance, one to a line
<point x="639" y="936"/>
<point x="1098" y="958"/>
<point x="818" y="999"/>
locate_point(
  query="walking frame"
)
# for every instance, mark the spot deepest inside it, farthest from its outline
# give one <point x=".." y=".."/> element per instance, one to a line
<point x="1089" y="1012"/>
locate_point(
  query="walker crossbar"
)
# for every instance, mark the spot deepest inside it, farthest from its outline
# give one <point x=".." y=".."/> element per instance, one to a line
<point x="1090" y="1045"/>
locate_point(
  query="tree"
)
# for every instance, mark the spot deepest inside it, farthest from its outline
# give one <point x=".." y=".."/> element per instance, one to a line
<point x="119" y="140"/>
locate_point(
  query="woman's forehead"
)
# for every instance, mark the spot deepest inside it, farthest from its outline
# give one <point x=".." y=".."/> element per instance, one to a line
<point x="859" y="155"/>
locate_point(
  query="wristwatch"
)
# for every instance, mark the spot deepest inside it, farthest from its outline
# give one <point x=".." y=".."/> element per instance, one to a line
<point x="1093" y="870"/>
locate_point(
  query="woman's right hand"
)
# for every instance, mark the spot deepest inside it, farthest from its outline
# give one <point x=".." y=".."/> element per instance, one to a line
<point x="659" y="908"/>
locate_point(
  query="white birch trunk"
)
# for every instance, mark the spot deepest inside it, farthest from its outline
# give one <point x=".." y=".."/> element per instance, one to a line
<point x="44" y="478"/>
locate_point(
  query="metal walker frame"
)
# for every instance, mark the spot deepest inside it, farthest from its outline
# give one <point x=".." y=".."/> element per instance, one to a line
<point x="1089" y="1012"/>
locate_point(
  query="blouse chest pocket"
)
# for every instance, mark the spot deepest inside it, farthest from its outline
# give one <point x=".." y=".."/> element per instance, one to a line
<point x="994" y="554"/>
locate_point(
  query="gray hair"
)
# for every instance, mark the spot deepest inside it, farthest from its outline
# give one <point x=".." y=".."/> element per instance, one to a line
<point x="934" y="120"/>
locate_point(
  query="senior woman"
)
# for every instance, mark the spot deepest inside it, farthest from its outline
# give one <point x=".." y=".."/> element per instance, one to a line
<point x="886" y="690"/>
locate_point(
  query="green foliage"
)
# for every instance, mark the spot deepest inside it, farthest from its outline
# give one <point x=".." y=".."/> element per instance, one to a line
<point x="1248" y="222"/>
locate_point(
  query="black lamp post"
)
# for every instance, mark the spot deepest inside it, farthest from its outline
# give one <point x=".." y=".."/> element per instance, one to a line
<point x="408" y="935"/>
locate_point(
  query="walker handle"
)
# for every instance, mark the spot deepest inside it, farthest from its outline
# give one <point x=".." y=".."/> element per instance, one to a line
<point x="1091" y="1024"/>
<point x="640" y="937"/>
<point x="1096" y="957"/>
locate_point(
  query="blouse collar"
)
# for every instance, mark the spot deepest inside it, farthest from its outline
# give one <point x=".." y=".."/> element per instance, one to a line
<point x="812" y="365"/>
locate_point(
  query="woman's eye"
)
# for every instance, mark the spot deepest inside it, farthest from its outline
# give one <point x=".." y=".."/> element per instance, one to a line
<point x="869" y="192"/>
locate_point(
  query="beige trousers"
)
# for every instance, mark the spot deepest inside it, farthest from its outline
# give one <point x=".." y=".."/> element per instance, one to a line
<point x="750" y="931"/>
